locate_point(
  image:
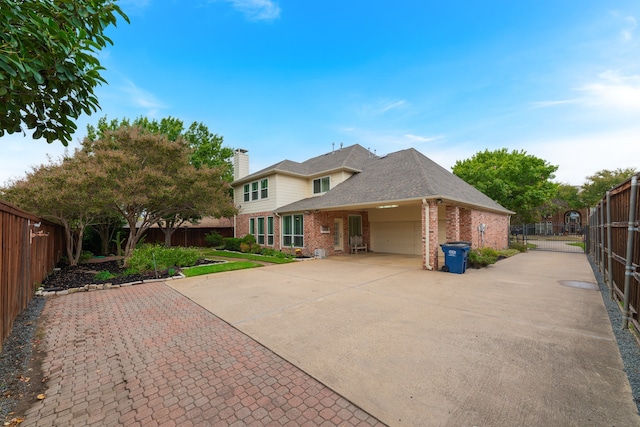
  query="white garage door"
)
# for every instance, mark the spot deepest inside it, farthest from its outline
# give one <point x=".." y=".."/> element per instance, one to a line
<point x="397" y="237"/>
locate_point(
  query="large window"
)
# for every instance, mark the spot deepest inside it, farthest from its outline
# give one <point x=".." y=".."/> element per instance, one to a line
<point x="260" y="237"/>
<point x="252" y="226"/>
<point x="355" y="225"/>
<point x="264" y="188"/>
<point x="321" y="185"/>
<point x="270" y="230"/>
<point x="293" y="230"/>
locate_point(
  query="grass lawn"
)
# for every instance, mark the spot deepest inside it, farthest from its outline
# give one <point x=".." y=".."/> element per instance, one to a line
<point x="217" y="268"/>
<point x="210" y="253"/>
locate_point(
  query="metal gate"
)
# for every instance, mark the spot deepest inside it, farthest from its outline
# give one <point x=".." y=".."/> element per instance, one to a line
<point x="555" y="237"/>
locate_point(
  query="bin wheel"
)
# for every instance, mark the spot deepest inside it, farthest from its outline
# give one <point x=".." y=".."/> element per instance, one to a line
<point x="445" y="268"/>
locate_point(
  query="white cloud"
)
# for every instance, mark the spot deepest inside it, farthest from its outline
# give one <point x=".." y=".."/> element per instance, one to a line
<point x="382" y="107"/>
<point x="142" y="98"/>
<point x="258" y="10"/>
<point x="422" y="139"/>
<point x="613" y="90"/>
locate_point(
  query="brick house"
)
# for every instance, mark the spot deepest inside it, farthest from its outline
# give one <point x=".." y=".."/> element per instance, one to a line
<point x="400" y="203"/>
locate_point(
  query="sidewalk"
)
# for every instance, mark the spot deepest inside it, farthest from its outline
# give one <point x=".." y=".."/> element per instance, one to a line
<point x="146" y="356"/>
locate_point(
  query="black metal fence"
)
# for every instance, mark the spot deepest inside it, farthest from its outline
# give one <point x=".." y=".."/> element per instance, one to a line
<point x="549" y="236"/>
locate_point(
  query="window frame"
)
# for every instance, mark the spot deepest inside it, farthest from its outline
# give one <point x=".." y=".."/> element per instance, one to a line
<point x="293" y="230"/>
<point x="321" y="187"/>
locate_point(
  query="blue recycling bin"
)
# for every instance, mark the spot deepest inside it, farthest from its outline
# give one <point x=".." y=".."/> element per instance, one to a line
<point x="455" y="256"/>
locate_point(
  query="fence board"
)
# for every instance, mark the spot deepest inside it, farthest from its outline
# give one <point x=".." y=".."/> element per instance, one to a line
<point x="618" y="226"/>
<point x="24" y="261"/>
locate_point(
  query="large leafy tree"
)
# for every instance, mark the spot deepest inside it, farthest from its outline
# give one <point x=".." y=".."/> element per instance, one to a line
<point x="207" y="152"/>
<point x="150" y="178"/>
<point x="69" y="192"/>
<point x="597" y="185"/>
<point x="518" y="181"/>
<point x="48" y="64"/>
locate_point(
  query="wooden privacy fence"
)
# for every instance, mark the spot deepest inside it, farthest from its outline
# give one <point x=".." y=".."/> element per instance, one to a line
<point x="615" y="246"/>
<point x="31" y="248"/>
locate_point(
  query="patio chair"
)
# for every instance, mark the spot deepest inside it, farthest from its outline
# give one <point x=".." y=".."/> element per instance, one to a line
<point x="356" y="244"/>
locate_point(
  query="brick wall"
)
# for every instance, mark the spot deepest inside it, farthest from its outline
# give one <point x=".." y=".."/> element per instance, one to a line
<point x="313" y="236"/>
<point x="496" y="233"/>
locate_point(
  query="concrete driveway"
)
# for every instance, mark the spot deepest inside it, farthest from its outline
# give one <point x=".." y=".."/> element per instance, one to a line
<point x="505" y="345"/>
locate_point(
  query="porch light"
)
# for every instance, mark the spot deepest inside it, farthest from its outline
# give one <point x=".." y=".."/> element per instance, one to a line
<point x="386" y="206"/>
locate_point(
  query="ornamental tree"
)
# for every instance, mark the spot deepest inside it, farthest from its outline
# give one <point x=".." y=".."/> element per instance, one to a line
<point x="149" y="178"/>
<point x="518" y="181"/>
<point x="69" y="192"/>
<point x="207" y="152"/>
<point x="48" y="64"/>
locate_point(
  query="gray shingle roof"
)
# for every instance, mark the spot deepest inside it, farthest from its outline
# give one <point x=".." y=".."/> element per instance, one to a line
<point x="351" y="158"/>
<point x="399" y="176"/>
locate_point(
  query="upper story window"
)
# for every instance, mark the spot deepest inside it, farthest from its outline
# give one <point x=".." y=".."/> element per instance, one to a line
<point x="247" y="190"/>
<point x="321" y="185"/>
<point x="256" y="190"/>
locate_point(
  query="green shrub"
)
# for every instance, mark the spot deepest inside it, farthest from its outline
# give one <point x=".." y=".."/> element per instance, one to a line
<point x="214" y="239"/>
<point x="245" y="247"/>
<point x="154" y="257"/>
<point x="232" y="243"/>
<point x="85" y="256"/>
<point x="482" y="257"/>
<point x="518" y="246"/>
<point x="104" y="275"/>
<point x="269" y="252"/>
<point x="249" y="239"/>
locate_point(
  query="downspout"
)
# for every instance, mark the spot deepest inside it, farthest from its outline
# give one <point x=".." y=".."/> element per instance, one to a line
<point x="628" y="268"/>
<point x="609" y="248"/>
<point x="427" y="248"/>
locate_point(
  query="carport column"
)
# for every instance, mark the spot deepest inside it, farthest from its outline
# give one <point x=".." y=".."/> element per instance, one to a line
<point x="453" y="223"/>
<point x="430" y="234"/>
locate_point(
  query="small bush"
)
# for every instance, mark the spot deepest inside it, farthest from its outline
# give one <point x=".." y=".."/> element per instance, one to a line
<point x="151" y="257"/>
<point x="245" y="247"/>
<point x="518" y="246"/>
<point x="104" y="275"/>
<point x="269" y="252"/>
<point x="482" y="257"/>
<point x="214" y="239"/>
<point x="85" y="256"/>
<point x="232" y="243"/>
<point x="249" y="239"/>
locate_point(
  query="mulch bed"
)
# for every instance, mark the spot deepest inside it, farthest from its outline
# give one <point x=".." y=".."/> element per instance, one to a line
<point x="67" y="277"/>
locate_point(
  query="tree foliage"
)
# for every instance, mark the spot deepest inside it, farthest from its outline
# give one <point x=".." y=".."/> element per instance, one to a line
<point x="518" y="181"/>
<point x="69" y="192"/>
<point x="597" y="185"/>
<point x="48" y="64"/>
<point x="207" y="152"/>
<point x="150" y="178"/>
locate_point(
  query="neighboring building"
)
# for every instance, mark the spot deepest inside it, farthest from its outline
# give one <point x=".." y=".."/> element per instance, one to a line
<point x="564" y="221"/>
<point x="401" y="203"/>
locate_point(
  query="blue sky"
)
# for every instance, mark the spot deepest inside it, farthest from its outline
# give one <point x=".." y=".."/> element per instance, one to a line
<point x="286" y="79"/>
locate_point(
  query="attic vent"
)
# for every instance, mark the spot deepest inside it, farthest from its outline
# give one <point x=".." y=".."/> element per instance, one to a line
<point x="382" y="157"/>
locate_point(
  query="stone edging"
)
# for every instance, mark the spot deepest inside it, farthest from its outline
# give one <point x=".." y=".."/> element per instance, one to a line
<point x="104" y="286"/>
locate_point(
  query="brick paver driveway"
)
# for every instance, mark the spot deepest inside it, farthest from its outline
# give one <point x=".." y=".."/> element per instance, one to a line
<point x="145" y="355"/>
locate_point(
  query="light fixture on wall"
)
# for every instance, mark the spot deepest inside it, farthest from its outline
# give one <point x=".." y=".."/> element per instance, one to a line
<point x="439" y="201"/>
<point x="386" y="206"/>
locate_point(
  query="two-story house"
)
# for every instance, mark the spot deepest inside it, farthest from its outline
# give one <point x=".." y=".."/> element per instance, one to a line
<point x="400" y="203"/>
